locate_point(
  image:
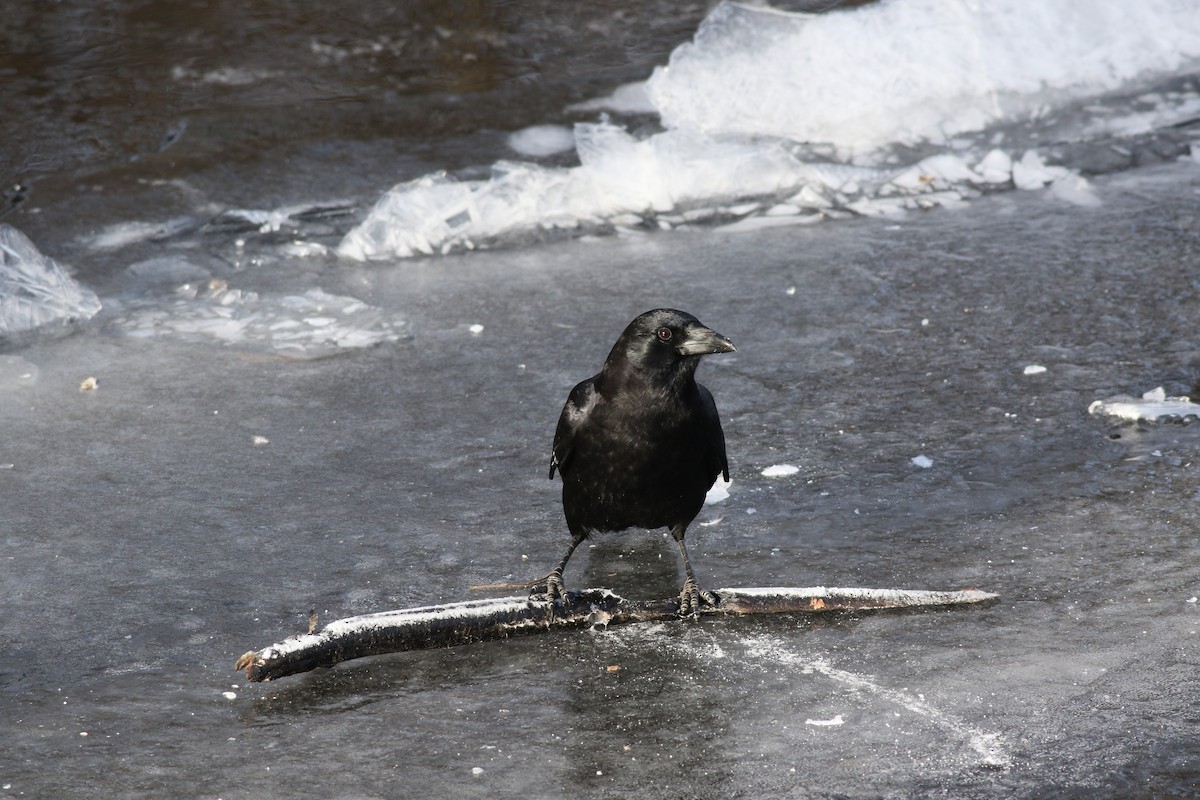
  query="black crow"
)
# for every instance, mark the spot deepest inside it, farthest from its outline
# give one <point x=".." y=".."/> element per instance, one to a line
<point x="640" y="444"/>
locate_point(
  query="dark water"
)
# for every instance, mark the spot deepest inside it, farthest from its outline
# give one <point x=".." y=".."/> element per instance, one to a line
<point x="148" y="540"/>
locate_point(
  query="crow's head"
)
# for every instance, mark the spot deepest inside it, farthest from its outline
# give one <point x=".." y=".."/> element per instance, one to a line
<point x="665" y="342"/>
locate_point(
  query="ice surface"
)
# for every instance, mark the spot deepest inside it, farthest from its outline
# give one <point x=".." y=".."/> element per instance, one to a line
<point x="911" y="70"/>
<point x="308" y="325"/>
<point x="16" y="372"/>
<point x="1151" y="407"/>
<point x="35" y="290"/>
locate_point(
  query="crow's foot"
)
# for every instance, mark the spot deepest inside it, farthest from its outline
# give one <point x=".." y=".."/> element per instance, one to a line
<point x="692" y="598"/>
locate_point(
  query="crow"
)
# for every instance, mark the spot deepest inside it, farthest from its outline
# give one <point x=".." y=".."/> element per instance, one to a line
<point x="640" y="444"/>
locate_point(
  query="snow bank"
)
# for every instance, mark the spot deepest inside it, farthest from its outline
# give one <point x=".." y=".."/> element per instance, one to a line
<point x="808" y="110"/>
<point x="35" y="290"/>
<point x="912" y="70"/>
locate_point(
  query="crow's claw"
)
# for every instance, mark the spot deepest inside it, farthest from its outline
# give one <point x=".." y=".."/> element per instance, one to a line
<point x="692" y="598"/>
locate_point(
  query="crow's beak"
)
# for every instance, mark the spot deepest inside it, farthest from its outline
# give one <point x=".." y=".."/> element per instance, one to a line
<point x="702" y="341"/>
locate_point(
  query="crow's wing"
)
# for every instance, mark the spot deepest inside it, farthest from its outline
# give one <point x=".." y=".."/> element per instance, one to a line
<point x="574" y="417"/>
<point x="716" y="457"/>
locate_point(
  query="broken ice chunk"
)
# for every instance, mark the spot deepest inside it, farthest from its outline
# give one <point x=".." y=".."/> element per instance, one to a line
<point x="35" y="290"/>
<point x="1153" y="406"/>
<point x="718" y="492"/>
<point x="996" y="167"/>
<point x="923" y="461"/>
<point x="780" y="471"/>
<point x="539" y="141"/>
<point x="1031" y="172"/>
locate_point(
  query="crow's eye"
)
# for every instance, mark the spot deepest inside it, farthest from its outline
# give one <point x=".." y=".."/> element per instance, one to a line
<point x="664" y="334"/>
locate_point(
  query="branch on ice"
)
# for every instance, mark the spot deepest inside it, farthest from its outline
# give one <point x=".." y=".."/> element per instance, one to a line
<point x="483" y="620"/>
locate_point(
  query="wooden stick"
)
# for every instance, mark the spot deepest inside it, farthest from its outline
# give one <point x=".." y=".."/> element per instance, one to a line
<point x="482" y="620"/>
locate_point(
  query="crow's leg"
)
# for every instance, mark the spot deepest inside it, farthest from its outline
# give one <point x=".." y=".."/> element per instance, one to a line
<point x="691" y="596"/>
<point x="555" y="589"/>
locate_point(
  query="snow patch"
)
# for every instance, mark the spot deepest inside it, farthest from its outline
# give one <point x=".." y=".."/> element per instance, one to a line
<point x="780" y="471"/>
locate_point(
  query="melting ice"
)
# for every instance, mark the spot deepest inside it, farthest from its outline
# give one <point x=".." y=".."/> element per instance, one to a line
<point x="810" y="115"/>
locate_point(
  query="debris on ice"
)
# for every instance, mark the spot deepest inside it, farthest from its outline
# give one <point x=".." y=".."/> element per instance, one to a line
<point x="1034" y="369"/>
<point x="923" y="461"/>
<point x="826" y="723"/>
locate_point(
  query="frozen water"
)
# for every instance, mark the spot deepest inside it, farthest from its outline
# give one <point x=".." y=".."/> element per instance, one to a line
<point x="35" y="290"/>
<point x="780" y="470"/>
<point x="147" y="541"/>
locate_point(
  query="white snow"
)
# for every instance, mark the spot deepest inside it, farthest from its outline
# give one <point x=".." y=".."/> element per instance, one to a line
<point x="923" y="461"/>
<point x="780" y="470"/>
<point x="1034" y="369"/>
<point x="911" y="70"/>
<point x="807" y="112"/>
<point x="35" y="290"/>
<point x="1151" y="407"/>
